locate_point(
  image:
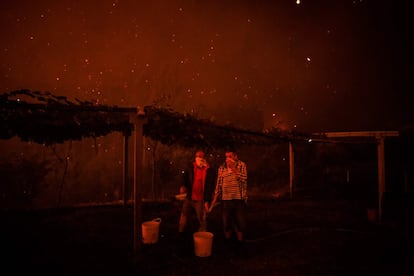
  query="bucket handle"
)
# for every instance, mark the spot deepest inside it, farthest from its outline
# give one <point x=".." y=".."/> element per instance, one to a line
<point x="157" y="220"/>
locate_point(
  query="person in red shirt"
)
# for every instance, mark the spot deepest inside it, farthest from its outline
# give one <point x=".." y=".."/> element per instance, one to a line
<point x="198" y="184"/>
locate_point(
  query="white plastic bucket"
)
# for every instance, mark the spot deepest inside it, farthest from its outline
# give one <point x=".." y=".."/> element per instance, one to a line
<point x="203" y="242"/>
<point x="150" y="231"/>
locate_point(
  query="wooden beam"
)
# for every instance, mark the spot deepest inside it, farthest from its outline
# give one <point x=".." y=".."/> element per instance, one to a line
<point x="361" y="134"/>
<point x="291" y="168"/>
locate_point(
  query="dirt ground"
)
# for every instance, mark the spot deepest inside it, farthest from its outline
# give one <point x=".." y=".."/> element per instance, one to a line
<point x="286" y="237"/>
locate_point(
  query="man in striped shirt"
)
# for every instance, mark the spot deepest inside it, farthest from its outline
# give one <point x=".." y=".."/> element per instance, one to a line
<point x="231" y="188"/>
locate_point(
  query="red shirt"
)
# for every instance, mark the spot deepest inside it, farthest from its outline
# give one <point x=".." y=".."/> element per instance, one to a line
<point x="198" y="185"/>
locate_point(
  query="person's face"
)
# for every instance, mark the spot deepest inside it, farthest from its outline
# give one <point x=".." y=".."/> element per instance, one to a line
<point x="199" y="159"/>
<point x="231" y="156"/>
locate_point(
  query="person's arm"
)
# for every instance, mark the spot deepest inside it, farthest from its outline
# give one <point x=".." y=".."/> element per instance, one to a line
<point x="214" y="202"/>
<point x="209" y="188"/>
<point x="243" y="179"/>
<point x="241" y="172"/>
<point x="217" y="191"/>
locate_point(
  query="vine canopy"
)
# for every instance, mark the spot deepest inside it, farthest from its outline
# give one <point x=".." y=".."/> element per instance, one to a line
<point x="47" y="119"/>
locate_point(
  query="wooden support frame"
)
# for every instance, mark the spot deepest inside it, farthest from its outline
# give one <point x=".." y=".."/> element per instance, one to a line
<point x="138" y="120"/>
<point x="291" y="168"/>
<point x="380" y="139"/>
<point x="125" y="170"/>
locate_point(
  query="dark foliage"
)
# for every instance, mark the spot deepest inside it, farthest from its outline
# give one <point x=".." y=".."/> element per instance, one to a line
<point x="47" y="119"/>
<point x="44" y="118"/>
<point x="171" y="127"/>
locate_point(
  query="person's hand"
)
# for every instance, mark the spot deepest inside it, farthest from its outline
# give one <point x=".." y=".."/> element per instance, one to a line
<point x="212" y="205"/>
<point x="231" y="164"/>
<point x="183" y="190"/>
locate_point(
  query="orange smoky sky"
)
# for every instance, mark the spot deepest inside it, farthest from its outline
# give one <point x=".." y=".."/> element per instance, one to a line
<point x="313" y="65"/>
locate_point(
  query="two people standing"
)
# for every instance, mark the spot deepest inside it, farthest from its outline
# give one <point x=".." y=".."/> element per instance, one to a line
<point x="204" y="188"/>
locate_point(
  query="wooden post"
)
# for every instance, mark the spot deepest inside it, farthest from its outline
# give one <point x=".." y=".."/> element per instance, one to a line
<point x="125" y="171"/>
<point x="381" y="175"/>
<point x="138" y="178"/>
<point x="291" y="168"/>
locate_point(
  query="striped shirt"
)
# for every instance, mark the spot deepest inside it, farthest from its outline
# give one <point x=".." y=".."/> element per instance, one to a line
<point x="232" y="185"/>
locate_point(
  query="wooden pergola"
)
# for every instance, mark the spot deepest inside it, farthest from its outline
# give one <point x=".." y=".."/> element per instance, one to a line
<point x="379" y="137"/>
<point x="56" y="119"/>
<point x="44" y="118"/>
<point x="139" y="120"/>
